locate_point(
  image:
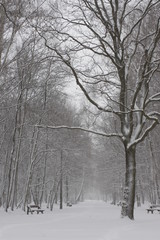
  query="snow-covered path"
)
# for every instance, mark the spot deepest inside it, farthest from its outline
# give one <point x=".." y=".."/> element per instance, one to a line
<point x="92" y="220"/>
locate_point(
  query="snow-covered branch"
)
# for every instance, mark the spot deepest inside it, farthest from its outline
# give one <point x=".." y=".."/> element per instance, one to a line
<point x="153" y="98"/>
<point x="144" y="135"/>
<point x="119" y="135"/>
<point x="154" y="113"/>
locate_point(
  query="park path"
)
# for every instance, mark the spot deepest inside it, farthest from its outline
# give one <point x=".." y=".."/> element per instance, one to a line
<point x="91" y="220"/>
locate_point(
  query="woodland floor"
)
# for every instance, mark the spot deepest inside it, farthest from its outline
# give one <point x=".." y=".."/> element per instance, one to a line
<point x="91" y="220"/>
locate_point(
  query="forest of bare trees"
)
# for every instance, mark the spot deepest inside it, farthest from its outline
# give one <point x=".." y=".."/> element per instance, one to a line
<point x="53" y="151"/>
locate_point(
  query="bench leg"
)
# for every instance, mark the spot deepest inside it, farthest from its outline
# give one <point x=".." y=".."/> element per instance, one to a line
<point x="39" y="212"/>
<point x="148" y="211"/>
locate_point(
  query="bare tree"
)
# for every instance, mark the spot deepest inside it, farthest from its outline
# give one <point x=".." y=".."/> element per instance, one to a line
<point x="114" y="59"/>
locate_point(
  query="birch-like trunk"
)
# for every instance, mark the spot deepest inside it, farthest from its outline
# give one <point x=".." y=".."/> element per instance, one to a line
<point x="81" y="188"/>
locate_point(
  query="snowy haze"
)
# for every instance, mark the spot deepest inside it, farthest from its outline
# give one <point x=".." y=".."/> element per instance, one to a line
<point x="91" y="220"/>
<point x="75" y="95"/>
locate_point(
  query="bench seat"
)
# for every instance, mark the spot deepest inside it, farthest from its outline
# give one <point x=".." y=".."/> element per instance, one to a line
<point x="153" y="208"/>
<point x="34" y="208"/>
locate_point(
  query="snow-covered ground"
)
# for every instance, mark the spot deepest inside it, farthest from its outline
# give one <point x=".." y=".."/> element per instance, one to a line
<point x="91" y="220"/>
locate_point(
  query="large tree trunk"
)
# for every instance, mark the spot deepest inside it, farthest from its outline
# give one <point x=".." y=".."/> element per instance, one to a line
<point x="129" y="190"/>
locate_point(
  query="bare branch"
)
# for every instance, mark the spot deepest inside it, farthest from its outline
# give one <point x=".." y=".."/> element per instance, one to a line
<point x="144" y="135"/>
<point x="147" y="9"/>
<point x="119" y="135"/>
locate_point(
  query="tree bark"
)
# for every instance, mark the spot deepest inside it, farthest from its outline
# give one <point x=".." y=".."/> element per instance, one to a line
<point x="61" y="181"/>
<point x="129" y="190"/>
<point x="156" y="187"/>
<point x="81" y="188"/>
<point x="2" y="25"/>
<point x="31" y="166"/>
<point x="67" y="190"/>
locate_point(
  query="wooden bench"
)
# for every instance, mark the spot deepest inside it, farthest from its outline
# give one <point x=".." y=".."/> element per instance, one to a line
<point x="34" y="208"/>
<point x="69" y="204"/>
<point x="153" y="208"/>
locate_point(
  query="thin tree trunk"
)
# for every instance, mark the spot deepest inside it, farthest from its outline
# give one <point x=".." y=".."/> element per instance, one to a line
<point x="67" y="190"/>
<point x="53" y="195"/>
<point x="9" y="180"/>
<point x="5" y="177"/>
<point x="2" y="21"/>
<point x="154" y="172"/>
<point x="20" y="121"/>
<point x="141" y="192"/>
<point x="61" y="181"/>
<point x="31" y="166"/>
<point x="45" y="160"/>
<point x="81" y="188"/>
<point x="44" y="172"/>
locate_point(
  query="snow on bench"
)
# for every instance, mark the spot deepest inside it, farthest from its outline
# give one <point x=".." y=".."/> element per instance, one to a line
<point x="153" y="208"/>
<point x="34" y="208"/>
